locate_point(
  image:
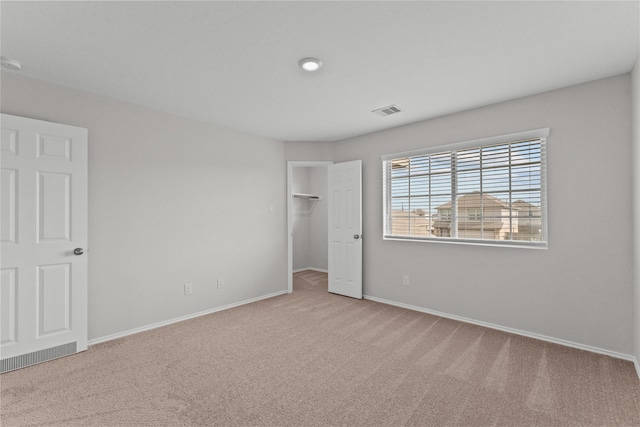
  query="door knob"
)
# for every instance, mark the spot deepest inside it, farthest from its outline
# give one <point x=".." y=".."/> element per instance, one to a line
<point x="78" y="251"/>
<point x="356" y="236"/>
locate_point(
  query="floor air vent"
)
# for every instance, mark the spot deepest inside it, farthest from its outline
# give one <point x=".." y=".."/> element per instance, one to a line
<point x="387" y="111"/>
<point x="24" y="360"/>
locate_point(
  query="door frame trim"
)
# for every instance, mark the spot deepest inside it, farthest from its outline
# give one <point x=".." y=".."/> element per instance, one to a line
<point x="290" y="165"/>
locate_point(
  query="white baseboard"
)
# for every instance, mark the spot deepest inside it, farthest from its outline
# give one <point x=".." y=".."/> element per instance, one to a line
<point x="312" y="269"/>
<point x="614" y="354"/>
<point x="180" y="319"/>
<point x="512" y="331"/>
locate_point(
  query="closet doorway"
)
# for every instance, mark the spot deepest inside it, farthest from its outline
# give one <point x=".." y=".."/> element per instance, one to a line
<point x="307" y="208"/>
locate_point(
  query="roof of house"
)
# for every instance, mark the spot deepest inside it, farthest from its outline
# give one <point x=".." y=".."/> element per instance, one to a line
<point x="473" y="200"/>
<point x="521" y="204"/>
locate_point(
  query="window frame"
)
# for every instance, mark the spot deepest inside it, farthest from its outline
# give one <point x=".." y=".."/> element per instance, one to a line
<point x="536" y="134"/>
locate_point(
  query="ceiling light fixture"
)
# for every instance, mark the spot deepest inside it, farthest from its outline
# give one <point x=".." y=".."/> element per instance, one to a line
<point x="310" y="64"/>
<point x="10" y="64"/>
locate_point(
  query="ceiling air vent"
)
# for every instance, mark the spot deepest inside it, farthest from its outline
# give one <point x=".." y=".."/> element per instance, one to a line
<point x="387" y="111"/>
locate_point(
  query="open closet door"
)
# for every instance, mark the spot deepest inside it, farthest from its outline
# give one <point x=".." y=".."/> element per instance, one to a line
<point x="345" y="228"/>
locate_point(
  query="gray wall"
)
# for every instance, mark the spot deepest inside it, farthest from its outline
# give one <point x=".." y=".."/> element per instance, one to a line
<point x="580" y="289"/>
<point x="311" y="151"/>
<point x="635" y="76"/>
<point x="171" y="201"/>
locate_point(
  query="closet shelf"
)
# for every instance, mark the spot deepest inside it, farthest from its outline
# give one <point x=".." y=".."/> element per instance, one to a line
<point x="305" y="196"/>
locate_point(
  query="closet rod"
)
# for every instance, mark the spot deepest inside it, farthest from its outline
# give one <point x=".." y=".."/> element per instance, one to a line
<point x="305" y="196"/>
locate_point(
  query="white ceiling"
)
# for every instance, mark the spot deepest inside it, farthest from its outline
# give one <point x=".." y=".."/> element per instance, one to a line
<point x="235" y="63"/>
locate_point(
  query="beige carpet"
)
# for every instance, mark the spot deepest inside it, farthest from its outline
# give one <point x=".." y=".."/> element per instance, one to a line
<point x="312" y="358"/>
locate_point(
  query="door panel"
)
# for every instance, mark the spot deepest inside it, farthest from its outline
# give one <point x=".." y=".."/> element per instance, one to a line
<point x="54" y="206"/>
<point x="44" y="218"/>
<point x="8" y="207"/>
<point x="345" y="228"/>
<point x="8" y="306"/>
<point x="53" y="302"/>
<point x="54" y="147"/>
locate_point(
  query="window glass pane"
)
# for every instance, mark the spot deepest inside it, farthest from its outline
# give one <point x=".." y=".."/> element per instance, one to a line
<point x="400" y="204"/>
<point x="419" y="186"/>
<point x="400" y="223"/>
<point x="441" y="184"/>
<point x="441" y="162"/>
<point x="531" y="197"/>
<point x="420" y="205"/>
<point x="440" y="202"/>
<point x="525" y="152"/>
<point x="529" y="215"/>
<point x="400" y="187"/>
<point x="525" y="177"/>
<point x="468" y="181"/>
<point x="399" y="168"/>
<point x="495" y="179"/>
<point x="419" y="165"/>
<point x="497" y="155"/>
<point x="492" y="192"/>
<point x="468" y="159"/>
<point x="419" y="217"/>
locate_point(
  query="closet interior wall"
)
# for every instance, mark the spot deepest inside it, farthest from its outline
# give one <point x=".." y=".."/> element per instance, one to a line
<point x="309" y="219"/>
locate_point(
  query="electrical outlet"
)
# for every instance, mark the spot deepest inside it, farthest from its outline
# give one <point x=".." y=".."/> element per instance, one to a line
<point x="220" y="283"/>
<point x="188" y="288"/>
<point x="405" y="280"/>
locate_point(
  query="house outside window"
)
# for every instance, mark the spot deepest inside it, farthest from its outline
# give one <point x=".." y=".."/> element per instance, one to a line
<point x="492" y="225"/>
<point x="474" y="214"/>
<point x="489" y="191"/>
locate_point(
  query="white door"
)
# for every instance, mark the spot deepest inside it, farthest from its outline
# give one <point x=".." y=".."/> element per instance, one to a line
<point x="345" y="228"/>
<point x="43" y="297"/>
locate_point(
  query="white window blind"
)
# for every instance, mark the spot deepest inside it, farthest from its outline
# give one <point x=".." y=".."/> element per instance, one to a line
<point x="488" y="191"/>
